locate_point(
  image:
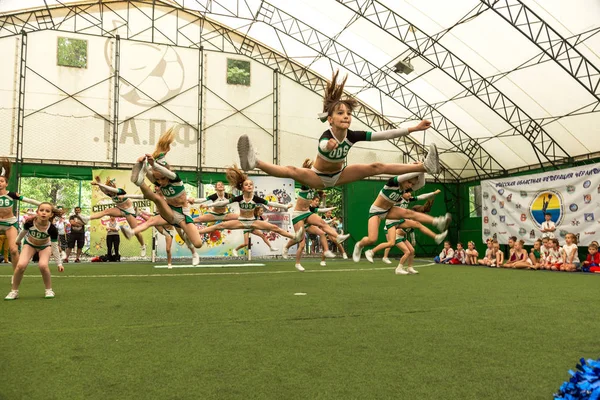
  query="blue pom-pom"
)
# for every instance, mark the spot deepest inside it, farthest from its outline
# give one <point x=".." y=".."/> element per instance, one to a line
<point x="584" y="383"/>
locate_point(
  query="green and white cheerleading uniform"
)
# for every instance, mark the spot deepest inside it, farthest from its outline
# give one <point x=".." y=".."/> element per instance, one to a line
<point x="41" y="237"/>
<point x="7" y="201"/>
<point x="308" y="194"/>
<point x="216" y="199"/>
<point x="171" y="191"/>
<point x="402" y="238"/>
<point x="392" y="191"/>
<point x="116" y="195"/>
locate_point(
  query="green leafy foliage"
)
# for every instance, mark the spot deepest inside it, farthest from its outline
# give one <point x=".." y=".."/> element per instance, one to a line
<point x="238" y="72"/>
<point x="72" y="52"/>
<point x="60" y="192"/>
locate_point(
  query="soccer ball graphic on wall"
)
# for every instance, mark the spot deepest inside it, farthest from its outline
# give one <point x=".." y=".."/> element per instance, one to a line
<point x="150" y="73"/>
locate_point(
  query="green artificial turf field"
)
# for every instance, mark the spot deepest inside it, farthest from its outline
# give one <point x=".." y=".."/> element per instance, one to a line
<point x="131" y="331"/>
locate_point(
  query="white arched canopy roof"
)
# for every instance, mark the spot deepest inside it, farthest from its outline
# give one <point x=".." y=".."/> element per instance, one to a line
<point x="508" y="84"/>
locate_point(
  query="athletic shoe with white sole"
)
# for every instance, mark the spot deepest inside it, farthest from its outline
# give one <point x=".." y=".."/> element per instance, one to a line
<point x="234" y="253"/>
<point x="432" y="161"/>
<point x="49" y="294"/>
<point x="195" y="259"/>
<point x="342" y="238"/>
<point x="169" y="266"/>
<point x="274" y="249"/>
<point x="143" y="251"/>
<point x="246" y="153"/>
<point x="345" y="256"/>
<point x="439" y="238"/>
<point x="442" y="223"/>
<point x="411" y="270"/>
<point x="369" y="255"/>
<point x="284" y="253"/>
<point x="12" y="295"/>
<point x="323" y="264"/>
<point x="386" y="260"/>
<point x="357" y="252"/>
<point x="299" y="267"/>
<point x="138" y="173"/>
<point x="401" y="271"/>
<point x="329" y="254"/>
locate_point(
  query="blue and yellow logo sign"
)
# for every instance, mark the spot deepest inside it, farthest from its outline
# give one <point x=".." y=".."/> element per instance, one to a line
<point x="547" y="201"/>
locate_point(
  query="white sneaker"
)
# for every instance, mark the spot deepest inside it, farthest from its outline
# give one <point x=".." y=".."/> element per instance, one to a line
<point x="357" y="252"/>
<point x="298" y="236"/>
<point x="49" y="294"/>
<point x="246" y="153"/>
<point x="439" y="238"/>
<point x="127" y="231"/>
<point x="63" y="255"/>
<point x="195" y="259"/>
<point x="169" y="266"/>
<point x="143" y="251"/>
<point x="386" y="260"/>
<point x="234" y="253"/>
<point x="274" y="249"/>
<point x="432" y="161"/>
<point x="411" y="270"/>
<point x="299" y="267"/>
<point x="401" y="271"/>
<point x="284" y="253"/>
<point x="369" y="255"/>
<point x="442" y="223"/>
<point x="138" y="173"/>
<point x="323" y="264"/>
<point x="342" y="238"/>
<point x="345" y="256"/>
<point x="12" y="295"/>
<point x="329" y="254"/>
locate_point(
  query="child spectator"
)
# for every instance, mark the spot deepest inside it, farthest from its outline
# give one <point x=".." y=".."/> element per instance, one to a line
<point x="553" y="259"/>
<point x="518" y="258"/>
<point x="446" y="255"/>
<point x="460" y="256"/>
<point x="570" y="257"/>
<point x="535" y="255"/>
<point x="511" y="244"/>
<point x="548" y="227"/>
<point x="498" y="258"/>
<point x="486" y="260"/>
<point x="592" y="262"/>
<point x="472" y="253"/>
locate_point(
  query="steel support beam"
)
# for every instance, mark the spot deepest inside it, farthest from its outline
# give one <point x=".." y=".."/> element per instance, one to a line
<point x="433" y="51"/>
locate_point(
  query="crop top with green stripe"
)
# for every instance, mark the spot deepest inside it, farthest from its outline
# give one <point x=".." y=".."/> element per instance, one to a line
<point x="338" y="154"/>
<point x="173" y="189"/>
<point x="306" y="193"/>
<point x="392" y="191"/>
<point x="8" y="200"/>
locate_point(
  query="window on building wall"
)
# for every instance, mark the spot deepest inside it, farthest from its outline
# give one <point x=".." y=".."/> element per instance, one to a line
<point x="475" y="201"/>
<point x="238" y="72"/>
<point x="72" y="52"/>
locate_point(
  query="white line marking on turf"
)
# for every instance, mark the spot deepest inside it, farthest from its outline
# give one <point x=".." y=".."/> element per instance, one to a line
<point x="218" y="273"/>
<point x="299" y="294"/>
<point x="211" y="266"/>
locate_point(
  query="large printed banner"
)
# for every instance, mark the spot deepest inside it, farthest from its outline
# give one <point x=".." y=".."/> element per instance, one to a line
<point x="516" y="206"/>
<point x="100" y="202"/>
<point x="221" y="243"/>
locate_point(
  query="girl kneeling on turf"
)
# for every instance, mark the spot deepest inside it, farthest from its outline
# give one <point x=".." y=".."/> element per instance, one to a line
<point x="41" y="237"/>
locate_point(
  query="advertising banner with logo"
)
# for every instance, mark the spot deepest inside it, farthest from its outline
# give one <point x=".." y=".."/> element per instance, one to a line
<point x="221" y="243"/>
<point x="100" y="202"/>
<point x="517" y="206"/>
